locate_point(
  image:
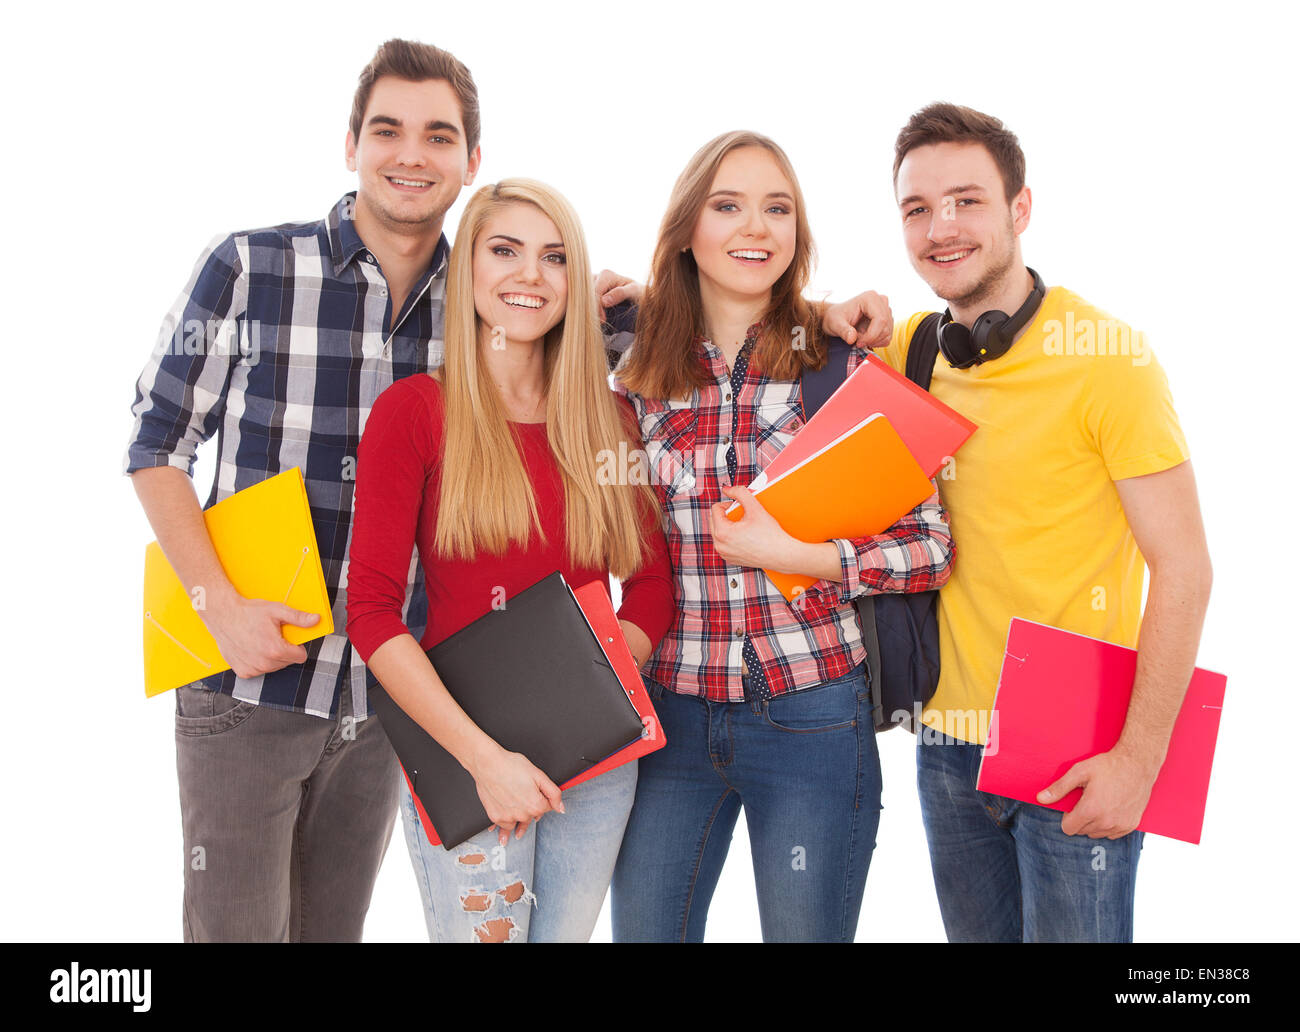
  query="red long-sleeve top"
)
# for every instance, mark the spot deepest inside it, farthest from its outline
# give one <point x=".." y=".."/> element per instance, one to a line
<point x="396" y="507"/>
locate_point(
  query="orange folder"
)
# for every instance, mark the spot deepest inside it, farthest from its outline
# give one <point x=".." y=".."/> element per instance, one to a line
<point x="857" y="485"/>
<point x="264" y="537"/>
<point x="594" y="601"/>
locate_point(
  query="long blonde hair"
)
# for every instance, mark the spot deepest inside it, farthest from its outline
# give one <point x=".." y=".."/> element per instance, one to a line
<point x="663" y="363"/>
<point x="486" y="501"/>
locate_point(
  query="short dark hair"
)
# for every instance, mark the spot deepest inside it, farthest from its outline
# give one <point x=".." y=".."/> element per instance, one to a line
<point x="416" y="62"/>
<point x="952" y="123"/>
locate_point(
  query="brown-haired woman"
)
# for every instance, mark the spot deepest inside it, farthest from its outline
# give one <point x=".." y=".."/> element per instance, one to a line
<point x="764" y="703"/>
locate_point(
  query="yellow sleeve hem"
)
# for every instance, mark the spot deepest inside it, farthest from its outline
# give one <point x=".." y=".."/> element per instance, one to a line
<point x="1155" y="462"/>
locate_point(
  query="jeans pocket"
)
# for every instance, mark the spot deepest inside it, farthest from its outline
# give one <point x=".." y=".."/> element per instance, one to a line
<point x="826" y="707"/>
<point x="203" y="712"/>
<point x="653" y="689"/>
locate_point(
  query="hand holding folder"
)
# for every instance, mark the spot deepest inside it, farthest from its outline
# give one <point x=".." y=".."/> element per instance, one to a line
<point x="264" y="537"/>
<point x="857" y="485"/>
<point x="842" y="477"/>
<point x="566" y="695"/>
<point x="1063" y="697"/>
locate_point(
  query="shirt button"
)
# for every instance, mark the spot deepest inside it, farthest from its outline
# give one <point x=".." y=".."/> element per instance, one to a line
<point x="734" y="583"/>
<point x="726" y="440"/>
<point x="383" y="293"/>
<point x="727" y="396"/>
<point x="740" y="632"/>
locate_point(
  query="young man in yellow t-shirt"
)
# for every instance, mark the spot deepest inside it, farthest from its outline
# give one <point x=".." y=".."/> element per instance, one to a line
<point x="1078" y="472"/>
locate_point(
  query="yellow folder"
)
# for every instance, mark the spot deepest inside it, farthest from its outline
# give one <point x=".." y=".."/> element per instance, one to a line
<point x="264" y="538"/>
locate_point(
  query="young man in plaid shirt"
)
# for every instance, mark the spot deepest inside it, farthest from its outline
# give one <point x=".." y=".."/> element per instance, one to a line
<point x="279" y="344"/>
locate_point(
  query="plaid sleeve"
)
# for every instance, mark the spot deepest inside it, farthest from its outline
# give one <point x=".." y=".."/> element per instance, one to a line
<point x="915" y="554"/>
<point x="180" y="395"/>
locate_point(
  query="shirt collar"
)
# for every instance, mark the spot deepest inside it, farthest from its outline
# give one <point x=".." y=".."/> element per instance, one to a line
<point x="751" y="334"/>
<point x="345" y="242"/>
<point x="703" y="344"/>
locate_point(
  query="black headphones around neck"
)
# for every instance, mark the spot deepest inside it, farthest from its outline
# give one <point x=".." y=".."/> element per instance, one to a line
<point x="992" y="333"/>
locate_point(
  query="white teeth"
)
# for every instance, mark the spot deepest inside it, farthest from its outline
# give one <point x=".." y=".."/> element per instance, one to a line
<point x="408" y="182"/>
<point x="950" y="257"/>
<point x="760" y="255"/>
<point x="522" y="300"/>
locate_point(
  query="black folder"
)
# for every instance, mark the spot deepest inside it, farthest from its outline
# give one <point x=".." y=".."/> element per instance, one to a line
<point x="533" y="677"/>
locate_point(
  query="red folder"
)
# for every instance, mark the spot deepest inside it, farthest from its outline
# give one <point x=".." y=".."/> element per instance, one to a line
<point x="931" y="430"/>
<point x="1063" y="697"/>
<point x="594" y="601"/>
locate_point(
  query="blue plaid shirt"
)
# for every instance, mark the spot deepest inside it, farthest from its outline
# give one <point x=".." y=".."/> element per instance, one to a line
<point x="280" y="345"/>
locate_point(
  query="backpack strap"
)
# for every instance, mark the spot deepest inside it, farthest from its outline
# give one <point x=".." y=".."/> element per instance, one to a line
<point x="817" y="385"/>
<point x="923" y="350"/>
<point x="866" y="607"/>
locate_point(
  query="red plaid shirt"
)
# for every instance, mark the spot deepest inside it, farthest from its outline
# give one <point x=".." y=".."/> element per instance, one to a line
<point x="725" y="611"/>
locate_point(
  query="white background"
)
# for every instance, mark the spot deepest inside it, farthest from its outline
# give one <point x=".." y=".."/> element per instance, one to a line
<point x="1160" y="146"/>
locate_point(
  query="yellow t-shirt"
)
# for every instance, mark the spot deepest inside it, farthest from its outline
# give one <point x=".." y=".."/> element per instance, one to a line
<point x="1077" y="402"/>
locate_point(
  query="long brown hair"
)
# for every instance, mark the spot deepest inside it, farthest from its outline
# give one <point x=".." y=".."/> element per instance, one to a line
<point x="663" y="362"/>
<point x="486" y="501"/>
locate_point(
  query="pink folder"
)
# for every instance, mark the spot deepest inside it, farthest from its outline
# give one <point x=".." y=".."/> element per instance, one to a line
<point x="1063" y="697"/>
<point x="931" y="430"/>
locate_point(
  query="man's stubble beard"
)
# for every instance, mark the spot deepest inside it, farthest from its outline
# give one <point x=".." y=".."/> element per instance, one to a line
<point x="989" y="284"/>
<point x="396" y="224"/>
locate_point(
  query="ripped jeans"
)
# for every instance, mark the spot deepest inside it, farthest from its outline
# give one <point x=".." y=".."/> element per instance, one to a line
<point x="548" y="886"/>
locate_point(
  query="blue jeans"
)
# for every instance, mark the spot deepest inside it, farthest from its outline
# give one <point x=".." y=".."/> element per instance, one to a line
<point x="805" y="768"/>
<point x="1005" y="872"/>
<point x="548" y="886"/>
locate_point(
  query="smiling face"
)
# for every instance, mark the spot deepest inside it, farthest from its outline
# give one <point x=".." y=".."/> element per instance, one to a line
<point x="411" y="158"/>
<point x="521" y="281"/>
<point x="744" y="236"/>
<point x="962" y="235"/>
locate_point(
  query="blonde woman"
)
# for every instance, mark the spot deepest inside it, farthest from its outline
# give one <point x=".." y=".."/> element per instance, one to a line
<point x="491" y="468"/>
<point x="764" y="703"/>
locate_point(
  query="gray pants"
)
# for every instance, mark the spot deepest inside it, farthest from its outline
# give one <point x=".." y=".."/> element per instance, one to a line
<point x="286" y="819"/>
